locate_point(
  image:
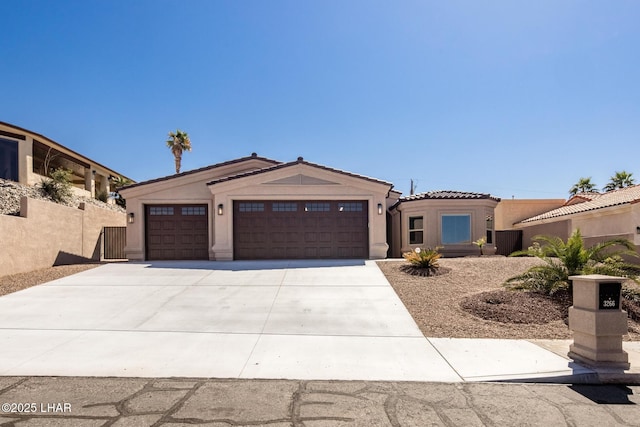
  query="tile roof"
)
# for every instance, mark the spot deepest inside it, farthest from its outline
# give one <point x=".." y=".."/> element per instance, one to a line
<point x="601" y="200"/>
<point x="446" y="194"/>
<point x="300" y="160"/>
<point x="217" y="165"/>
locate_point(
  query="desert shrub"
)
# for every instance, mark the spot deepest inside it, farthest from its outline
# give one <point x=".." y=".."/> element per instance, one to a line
<point x="480" y="244"/>
<point x="423" y="261"/>
<point x="58" y="185"/>
<point x="103" y="196"/>
<point x="564" y="259"/>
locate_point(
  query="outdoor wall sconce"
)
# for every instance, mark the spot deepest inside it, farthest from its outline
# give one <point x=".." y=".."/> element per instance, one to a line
<point x="379" y="208"/>
<point x="131" y="217"/>
<point x="637" y="230"/>
<point x="220" y="209"/>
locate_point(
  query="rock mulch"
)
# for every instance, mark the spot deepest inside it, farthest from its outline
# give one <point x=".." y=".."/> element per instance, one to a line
<point x="20" y="281"/>
<point x="11" y="192"/>
<point x="469" y="301"/>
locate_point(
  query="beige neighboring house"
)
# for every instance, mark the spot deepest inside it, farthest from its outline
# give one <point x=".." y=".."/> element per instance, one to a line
<point x="452" y="220"/>
<point x="258" y="208"/>
<point x="599" y="216"/>
<point x="24" y="155"/>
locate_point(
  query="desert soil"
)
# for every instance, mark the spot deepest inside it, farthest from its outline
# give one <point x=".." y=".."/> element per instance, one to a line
<point x="468" y="301"/>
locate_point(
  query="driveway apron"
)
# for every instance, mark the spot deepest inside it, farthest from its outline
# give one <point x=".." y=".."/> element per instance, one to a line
<point x="243" y="319"/>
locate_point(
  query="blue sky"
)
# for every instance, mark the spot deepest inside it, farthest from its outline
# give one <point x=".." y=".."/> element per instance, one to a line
<point x="511" y="98"/>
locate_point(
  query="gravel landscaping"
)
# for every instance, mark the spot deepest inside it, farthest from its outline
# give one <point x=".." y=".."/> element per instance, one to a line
<point x="469" y="301"/>
<point x="17" y="282"/>
<point x="11" y="192"/>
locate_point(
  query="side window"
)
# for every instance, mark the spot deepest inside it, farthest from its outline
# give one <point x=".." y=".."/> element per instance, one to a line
<point x="416" y="230"/>
<point x="489" y="228"/>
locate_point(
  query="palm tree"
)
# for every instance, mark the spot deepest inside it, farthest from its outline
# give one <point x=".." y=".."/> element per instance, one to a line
<point x="178" y="142"/>
<point x="572" y="258"/>
<point x="584" y="185"/>
<point x="619" y="180"/>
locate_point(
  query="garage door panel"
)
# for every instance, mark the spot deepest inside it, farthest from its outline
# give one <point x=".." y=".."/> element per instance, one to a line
<point x="301" y="229"/>
<point x="176" y="232"/>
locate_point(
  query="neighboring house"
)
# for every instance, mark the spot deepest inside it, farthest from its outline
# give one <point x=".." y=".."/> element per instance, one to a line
<point x="599" y="216"/>
<point x="24" y="155"/>
<point x="452" y="220"/>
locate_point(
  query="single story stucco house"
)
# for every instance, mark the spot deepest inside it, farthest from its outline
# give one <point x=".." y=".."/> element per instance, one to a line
<point x="258" y="208"/>
<point x="599" y="216"/>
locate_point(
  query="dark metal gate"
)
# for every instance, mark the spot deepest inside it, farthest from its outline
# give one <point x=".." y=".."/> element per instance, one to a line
<point x="508" y="241"/>
<point x="114" y="240"/>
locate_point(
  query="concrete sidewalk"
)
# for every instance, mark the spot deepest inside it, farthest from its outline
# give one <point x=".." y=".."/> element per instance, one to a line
<point x="299" y="320"/>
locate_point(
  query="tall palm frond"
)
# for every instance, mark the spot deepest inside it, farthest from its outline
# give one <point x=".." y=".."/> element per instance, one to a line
<point x="584" y="185"/>
<point x="621" y="179"/>
<point x="178" y="142"/>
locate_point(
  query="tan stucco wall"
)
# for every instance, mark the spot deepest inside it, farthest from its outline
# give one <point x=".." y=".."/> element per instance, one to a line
<point x="47" y="234"/>
<point x="508" y="212"/>
<point x="560" y="228"/>
<point x="190" y="188"/>
<point x="193" y="189"/>
<point x="432" y="210"/>
<point x="258" y="188"/>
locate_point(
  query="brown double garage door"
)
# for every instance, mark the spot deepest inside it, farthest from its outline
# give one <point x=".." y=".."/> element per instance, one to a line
<point x="285" y="229"/>
<point x="274" y="229"/>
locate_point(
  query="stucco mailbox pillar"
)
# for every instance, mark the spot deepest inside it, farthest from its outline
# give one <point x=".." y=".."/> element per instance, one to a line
<point x="598" y="322"/>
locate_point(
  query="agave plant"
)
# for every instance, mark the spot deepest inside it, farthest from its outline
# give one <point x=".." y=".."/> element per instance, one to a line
<point x="563" y="259"/>
<point x="423" y="261"/>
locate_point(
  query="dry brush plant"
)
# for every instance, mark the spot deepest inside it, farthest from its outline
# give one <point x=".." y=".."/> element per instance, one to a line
<point x="422" y="262"/>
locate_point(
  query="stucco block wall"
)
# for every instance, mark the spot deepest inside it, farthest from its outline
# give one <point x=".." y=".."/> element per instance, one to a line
<point x="560" y="229"/>
<point x="47" y="234"/>
<point x="508" y="212"/>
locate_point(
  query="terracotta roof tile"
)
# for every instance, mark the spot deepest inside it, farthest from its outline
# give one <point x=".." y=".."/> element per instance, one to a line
<point x="601" y="200"/>
<point x="447" y="194"/>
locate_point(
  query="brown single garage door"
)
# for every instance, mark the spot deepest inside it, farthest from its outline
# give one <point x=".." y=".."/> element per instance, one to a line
<point x="177" y="232"/>
<point x="283" y="229"/>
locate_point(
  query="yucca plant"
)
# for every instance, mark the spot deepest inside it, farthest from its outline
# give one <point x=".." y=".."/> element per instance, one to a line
<point x="563" y="259"/>
<point x="423" y="262"/>
<point x="58" y="185"/>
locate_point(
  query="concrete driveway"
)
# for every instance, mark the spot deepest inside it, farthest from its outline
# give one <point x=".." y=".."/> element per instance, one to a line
<point x="257" y="319"/>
